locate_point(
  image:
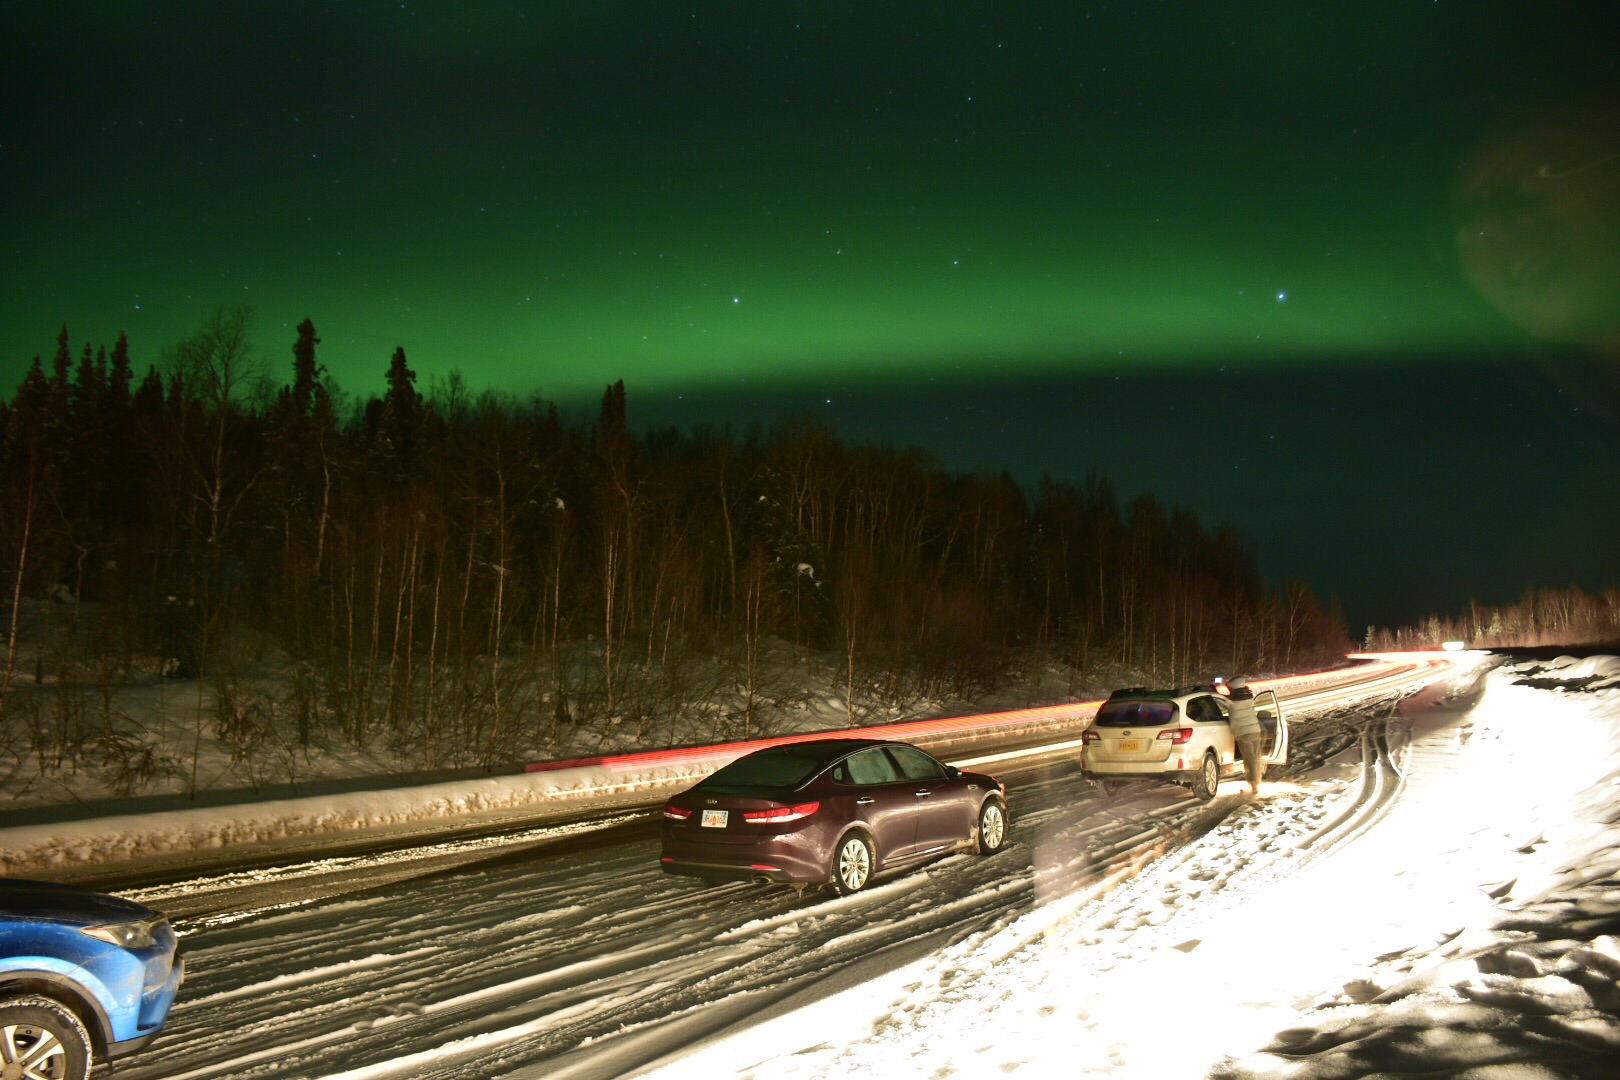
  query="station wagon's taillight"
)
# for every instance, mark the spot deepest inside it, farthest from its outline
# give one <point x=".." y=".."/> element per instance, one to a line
<point x="1090" y="735"/>
<point x="782" y="813"/>
<point x="1176" y="736"/>
<point x="676" y="813"/>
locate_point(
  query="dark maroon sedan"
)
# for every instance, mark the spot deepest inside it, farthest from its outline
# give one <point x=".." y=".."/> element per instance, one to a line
<point x="830" y="811"/>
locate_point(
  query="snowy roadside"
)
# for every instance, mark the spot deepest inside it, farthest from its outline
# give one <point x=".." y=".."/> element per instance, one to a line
<point x="1475" y="922"/>
<point x="550" y="793"/>
<point x="544" y="794"/>
<point x="98" y="841"/>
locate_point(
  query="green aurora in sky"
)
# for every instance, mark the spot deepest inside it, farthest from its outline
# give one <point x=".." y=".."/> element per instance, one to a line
<point x="1325" y="250"/>
<point x="548" y="197"/>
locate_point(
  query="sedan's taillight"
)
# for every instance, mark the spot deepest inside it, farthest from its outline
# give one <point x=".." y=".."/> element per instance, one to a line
<point x="676" y="813"/>
<point x="782" y="813"/>
<point x="1176" y="736"/>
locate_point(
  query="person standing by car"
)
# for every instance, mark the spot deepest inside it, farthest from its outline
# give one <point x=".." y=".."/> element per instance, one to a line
<point x="1247" y="732"/>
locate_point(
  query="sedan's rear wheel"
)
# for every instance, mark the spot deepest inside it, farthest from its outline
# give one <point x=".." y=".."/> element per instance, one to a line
<point x="1207" y="779"/>
<point x="42" y="1039"/>
<point x="992" y="827"/>
<point x="852" y="864"/>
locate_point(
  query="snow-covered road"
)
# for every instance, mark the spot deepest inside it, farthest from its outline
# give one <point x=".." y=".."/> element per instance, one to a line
<point x="548" y="954"/>
<point x="571" y="956"/>
<point x="1135" y="934"/>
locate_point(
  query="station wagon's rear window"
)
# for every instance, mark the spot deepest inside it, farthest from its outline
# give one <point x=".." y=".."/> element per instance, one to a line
<point x="1136" y="713"/>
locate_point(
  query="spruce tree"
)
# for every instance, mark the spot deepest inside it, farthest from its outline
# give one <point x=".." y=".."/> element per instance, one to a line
<point x="306" y="371"/>
<point x="400" y="417"/>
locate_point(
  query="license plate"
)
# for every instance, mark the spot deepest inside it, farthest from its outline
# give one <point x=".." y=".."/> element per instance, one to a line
<point x="714" y="819"/>
<point x="1129" y="746"/>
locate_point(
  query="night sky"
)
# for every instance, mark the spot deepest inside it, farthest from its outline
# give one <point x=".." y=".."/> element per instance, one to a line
<point x="1344" y="275"/>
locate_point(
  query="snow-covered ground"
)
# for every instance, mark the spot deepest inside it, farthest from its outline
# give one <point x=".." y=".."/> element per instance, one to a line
<point x="261" y="827"/>
<point x="1465" y="920"/>
<point x="69" y="818"/>
<point x="76" y="738"/>
<point x="1433" y="890"/>
<point x="227" y="827"/>
<point x="58" y="849"/>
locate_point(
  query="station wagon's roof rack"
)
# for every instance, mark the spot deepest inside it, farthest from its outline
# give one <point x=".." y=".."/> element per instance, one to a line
<point x="1145" y="692"/>
<point x="1128" y="691"/>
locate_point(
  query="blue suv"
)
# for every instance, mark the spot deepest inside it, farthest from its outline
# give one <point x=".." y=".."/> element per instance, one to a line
<point x="83" y="976"/>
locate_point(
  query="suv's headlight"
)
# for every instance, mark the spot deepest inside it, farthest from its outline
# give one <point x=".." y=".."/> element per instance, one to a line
<point x="126" y="935"/>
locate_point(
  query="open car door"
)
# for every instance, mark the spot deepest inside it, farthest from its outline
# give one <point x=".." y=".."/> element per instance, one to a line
<point x="1271" y="718"/>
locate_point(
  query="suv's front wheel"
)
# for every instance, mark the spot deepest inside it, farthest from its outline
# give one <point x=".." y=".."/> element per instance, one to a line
<point x="41" y="1039"/>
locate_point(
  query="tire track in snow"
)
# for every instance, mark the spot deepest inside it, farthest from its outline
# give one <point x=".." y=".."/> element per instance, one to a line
<point x="1381" y="784"/>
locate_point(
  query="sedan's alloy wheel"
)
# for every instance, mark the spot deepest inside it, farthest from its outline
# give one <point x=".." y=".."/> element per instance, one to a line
<point x="854" y="864"/>
<point x="992" y="828"/>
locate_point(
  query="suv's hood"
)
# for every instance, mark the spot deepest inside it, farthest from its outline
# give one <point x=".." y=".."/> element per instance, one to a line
<point x="66" y="903"/>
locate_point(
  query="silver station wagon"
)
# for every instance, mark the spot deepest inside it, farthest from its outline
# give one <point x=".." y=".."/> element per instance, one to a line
<point x="1183" y="736"/>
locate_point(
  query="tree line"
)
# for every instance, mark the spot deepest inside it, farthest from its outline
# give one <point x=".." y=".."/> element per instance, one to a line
<point x="1541" y="616"/>
<point x="469" y="578"/>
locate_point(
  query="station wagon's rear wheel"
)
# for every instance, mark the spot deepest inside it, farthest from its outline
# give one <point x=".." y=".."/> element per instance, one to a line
<point x="852" y="864"/>
<point x="42" y="1039"/>
<point x="992" y="827"/>
<point x="1208" y="778"/>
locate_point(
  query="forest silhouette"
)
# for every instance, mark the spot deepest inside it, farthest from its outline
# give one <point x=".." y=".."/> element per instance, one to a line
<point x="467" y="578"/>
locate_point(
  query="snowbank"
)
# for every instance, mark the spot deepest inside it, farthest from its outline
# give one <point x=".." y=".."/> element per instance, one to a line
<point x="32" y="848"/>
<point x="546" y="787"/>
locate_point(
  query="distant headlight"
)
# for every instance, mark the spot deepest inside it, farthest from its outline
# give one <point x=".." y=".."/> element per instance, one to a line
<point x="126" y="935"/>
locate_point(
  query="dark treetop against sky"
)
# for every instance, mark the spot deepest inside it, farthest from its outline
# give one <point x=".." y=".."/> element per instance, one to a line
<point x="1345" y="275"/>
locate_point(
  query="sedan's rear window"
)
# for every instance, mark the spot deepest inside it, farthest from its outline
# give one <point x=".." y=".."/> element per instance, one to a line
<point x="1136" y="713"/>
<point x="774" y="768"/>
